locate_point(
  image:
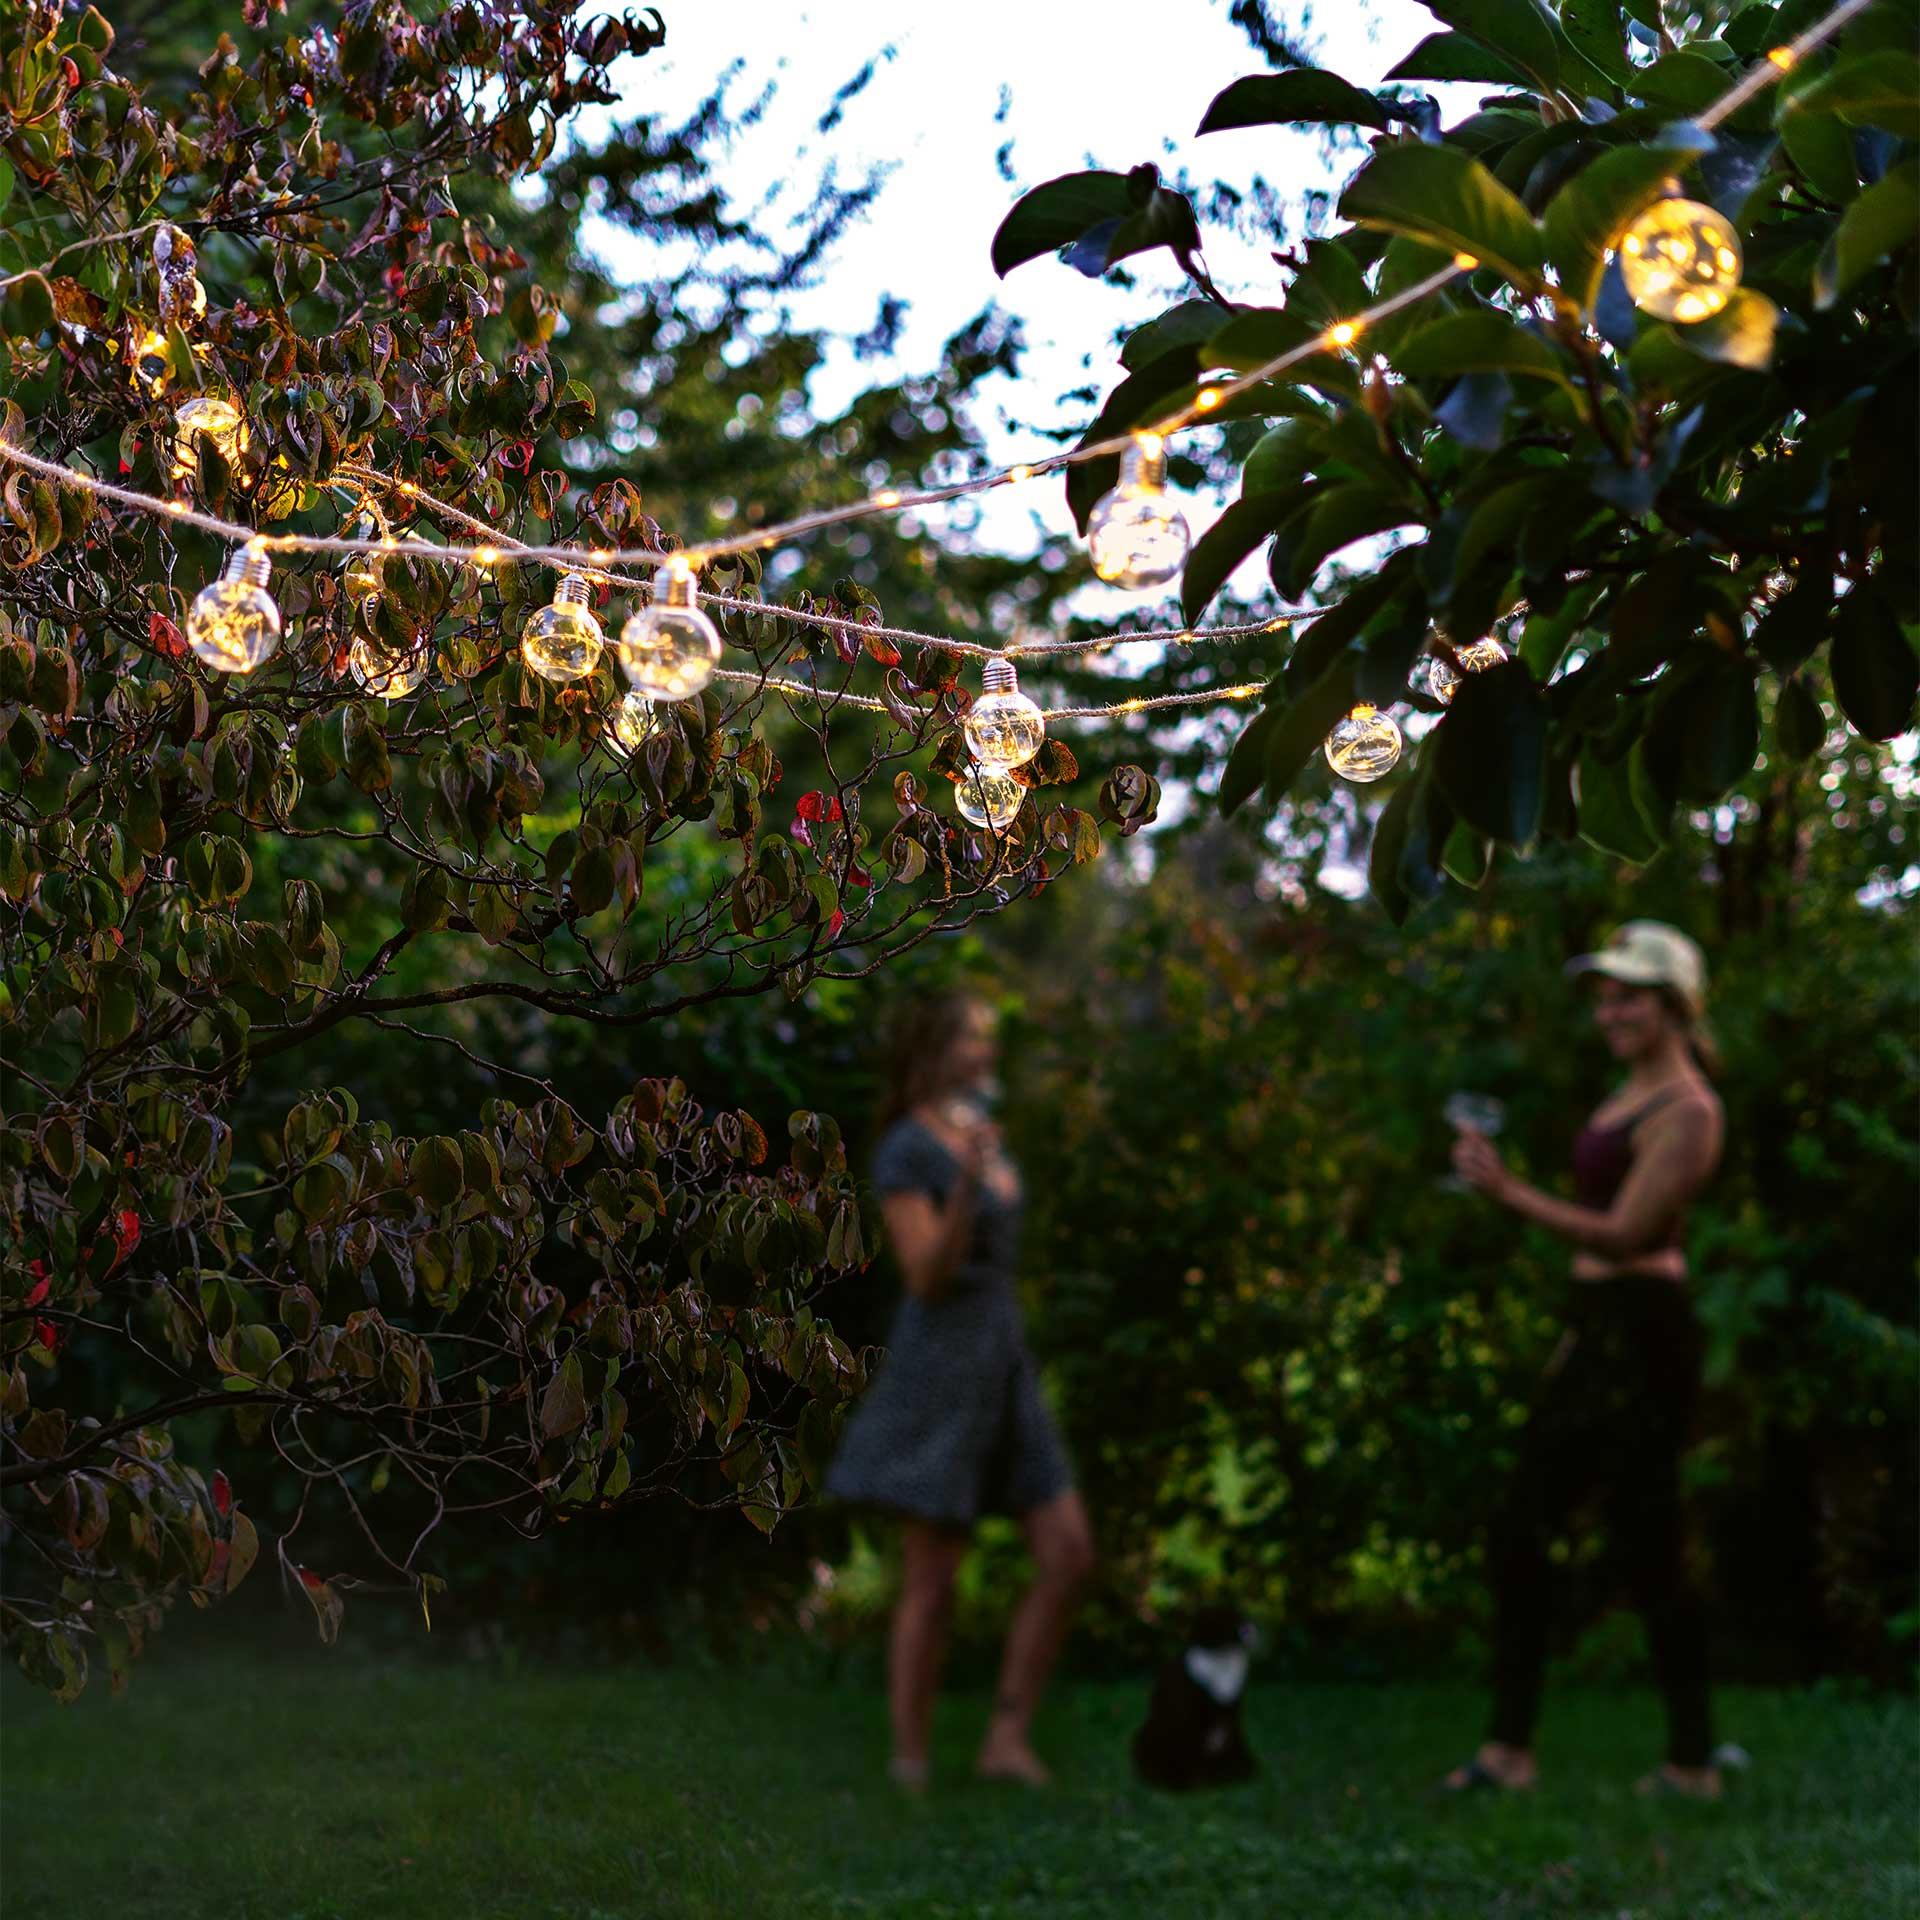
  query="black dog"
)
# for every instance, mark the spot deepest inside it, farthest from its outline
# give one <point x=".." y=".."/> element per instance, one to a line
<point x="1192" y="1736"/>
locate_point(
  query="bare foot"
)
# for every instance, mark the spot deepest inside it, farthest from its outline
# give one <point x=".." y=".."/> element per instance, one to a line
<point x="1007" y="1756"/>
<point x="910" y="1776"/>
<point x="1511" y="1769"/>
<point x="1689" y="1783"/>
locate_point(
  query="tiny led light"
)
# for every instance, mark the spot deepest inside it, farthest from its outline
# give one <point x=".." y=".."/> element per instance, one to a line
<point x="1344" y="334"/>
<point x="1465" y="262"/>
<point x="887" y="497"/>
<point x="1783" y="57"/>
<point x="1209" y="400"/>
<point x="485" y="556"/>
<point x="1019" y="476"/>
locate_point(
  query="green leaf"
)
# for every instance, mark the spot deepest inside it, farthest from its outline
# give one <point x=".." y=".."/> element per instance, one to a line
<point x="1480" y="341"/>
<point x="1056" y="213"/>
<point x="1302" y="93"/>
<point x="1226" y="543"/>
<point x="26" y="307"/>
<point x="1491" y="752"/>
<point x="1340" y="516"/>
<point x="1467" y="856"/>
<point x="6" y="180"/>
<point x="1739" y="335"/>
<point x="1390" y="835"/>
<point x="1799" y="726"/>
<point x="1595" y="31"/>
<point x="1720" y="729"/>
<point x="1869" y="90"/>
<point x="1609" y="819"/>
<point x="1448" y="199"/>
<point x="563" y="1406"/>
<point x="1680" y="83"/>
<point x="437" y="1171"/>
<point x="1246" y="765"/>
<point x="1789" y="631"/>
<point x="1822" y="149"/>
<point x="1303" y="727"/>
<point x="1583" y="220"/>
<point x="1516" y="30"/>
<point x="1252" y="338"/>
<point x="1875" y="670"/>
<point x="1453" y="56"/>
<point x="1878" y="224"/>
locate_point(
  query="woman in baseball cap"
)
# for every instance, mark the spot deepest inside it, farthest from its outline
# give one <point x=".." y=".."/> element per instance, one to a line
<point x="1612" y="1414"/>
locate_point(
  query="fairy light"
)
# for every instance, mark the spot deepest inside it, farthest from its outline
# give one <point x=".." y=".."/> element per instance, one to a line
<point x="1003" y="728"/>
<point x="1365" y="746"/>
<point x="233" y="625"/>
<point x="1136" y="536"/>
<point x="1681" y="260"/>
<point x="1343" y="334"/>
<point x="1208" y="400"/>
<point x="1784" y="58"/>
<point x="668" y="649"/>
<point x="1466" y="262"/>
<point x="563" y="641"/>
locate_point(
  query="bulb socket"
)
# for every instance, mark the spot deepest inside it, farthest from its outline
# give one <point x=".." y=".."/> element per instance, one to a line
<point x="676" y="587"/>
<point x="998" y="676"/>
<point x="251" y="563"/>
<point x="1144" y="465"/>
<point x="572" y="590"/>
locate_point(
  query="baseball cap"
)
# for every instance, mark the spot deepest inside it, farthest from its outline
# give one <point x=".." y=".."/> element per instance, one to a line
<point x="1649" y="953"/>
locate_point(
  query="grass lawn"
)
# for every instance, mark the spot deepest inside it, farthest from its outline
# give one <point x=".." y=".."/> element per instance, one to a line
<point x="341" y="1787"/>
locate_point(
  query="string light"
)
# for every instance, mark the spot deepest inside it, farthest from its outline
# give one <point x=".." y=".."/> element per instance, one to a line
<point x="212" y="417"/>
<point x="1136" y="536"/>
<point x="387" y="676"/>
<point x="1344" y="334"/>
<point x="233" y="625"/>
<point x="1365" y="745"/>
<point x="669" y="649"/>
<point x="1680" y="260"/>
<point x="563" y="641"/>
<point x="1443" y="682"/>
<point x="1003" y="728"/>
<point x="635" y="721"/>
<point x="988" y="799"/>
<point x="147" y="368"/>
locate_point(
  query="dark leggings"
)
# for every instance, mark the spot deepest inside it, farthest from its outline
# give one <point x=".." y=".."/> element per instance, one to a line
<point x="1611" y="1423"/>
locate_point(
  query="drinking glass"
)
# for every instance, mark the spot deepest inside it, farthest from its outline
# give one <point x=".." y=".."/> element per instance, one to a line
<point x="1480" y="1112"/>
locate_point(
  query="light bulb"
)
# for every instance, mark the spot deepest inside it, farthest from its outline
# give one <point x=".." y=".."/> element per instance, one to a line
<point x="670" y="649"/>
<point x="563" y="641"/>
<point x="1680" y="260"/>
<point x="387" y="676"/>
<point x="1365" y="745"/>
<point x="1443" y="683"/>
<point x="361" y="579"/>
<point x="147" y="367"/>
<point x="1003" y="728"/>
<point x="635" y="721"/>
<point x="233" y="624"/>
<point x="988" y="799"/>
<point x="1136" y="536"/>
<point x="210" y="416"/>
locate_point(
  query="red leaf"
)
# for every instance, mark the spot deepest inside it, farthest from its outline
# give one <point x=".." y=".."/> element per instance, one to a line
<point x="834" y="809"/>
<point x="164" y="637"/>
<point x="47" y="1334"/>
<point x="848" y="647"/>
<point x="311" y="1580"/>
<point x="882" y="650"/>
<point x="810" y="806"/>
<point x="40" y="1288"/>
<point x="222" y="1493"/>
<point x="859" y="877"/>
<point x="835" y="921"/>
<point x="126" y="1230"/>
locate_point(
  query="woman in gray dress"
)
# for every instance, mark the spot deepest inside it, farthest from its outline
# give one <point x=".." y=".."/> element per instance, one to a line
<point x="954" y="1425"/>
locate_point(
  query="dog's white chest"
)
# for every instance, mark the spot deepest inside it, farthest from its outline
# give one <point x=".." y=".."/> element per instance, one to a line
<point x="1219" y="1672"/>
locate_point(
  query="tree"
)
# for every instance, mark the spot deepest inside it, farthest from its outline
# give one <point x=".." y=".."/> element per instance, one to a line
<point x="1684" y="527"/>
<point x="212" y="880"/>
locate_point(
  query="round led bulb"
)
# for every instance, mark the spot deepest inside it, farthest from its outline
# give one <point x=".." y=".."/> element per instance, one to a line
<point x="670" y="648"/>
<point x="387" y="676"/>
<point x="211" y="417"/>
<point x="635" y="721"/>
<point x="988" y="799"/>
<point x="1003" y="728"/>
<point x="147" y="367"/>
<point x="1364" y="746"/>
<point x="563" y="641"/>
<point x="1443" y="683"/>
<point x="233" y="625"/>
<point x="1136" y="536"/>
<point x="1680" y="260"/>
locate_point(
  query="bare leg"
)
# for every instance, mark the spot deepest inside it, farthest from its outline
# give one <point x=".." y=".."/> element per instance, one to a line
<point x="1061" y="1541"/>
<point x="1514" y="1767"/>
<point x="918" y="1644"/>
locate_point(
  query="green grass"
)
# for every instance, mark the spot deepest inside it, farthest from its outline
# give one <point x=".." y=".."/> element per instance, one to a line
<point x="348" y="1788"/>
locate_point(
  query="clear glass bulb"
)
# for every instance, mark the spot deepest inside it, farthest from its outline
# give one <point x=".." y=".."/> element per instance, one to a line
<point x="1003" y="728"/>
<point x="635" y="721"/>
<point x="988" y="799"/>
<point x="1680" y="260"/>
<point x="233" y="625"/>
<point x="1443" y="683"/>
<point x="387" y="676"/>
<point x="211" y="416"/>
<point x="1365" y="745"/>
<point x="563" y="641"/>
<point x="147" y="367"/>
<point x="670" y="649"/>
<point x="1136" y="536"/>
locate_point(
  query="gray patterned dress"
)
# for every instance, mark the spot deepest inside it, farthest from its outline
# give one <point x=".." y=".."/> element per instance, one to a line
<point x="953" y="1425"/>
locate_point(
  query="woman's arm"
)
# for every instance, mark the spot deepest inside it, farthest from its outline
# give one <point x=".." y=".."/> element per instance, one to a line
<point x="928" y="1239"/>
<point x="1674" y="1154"/>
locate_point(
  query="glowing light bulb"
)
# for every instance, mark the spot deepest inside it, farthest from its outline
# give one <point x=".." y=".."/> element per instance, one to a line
<point x="1003" y="728"/>
<point x="670" y="649"/>
<point x="1136" y="535"/>
<point x="387" y="676"/>
<point x="233" y="624"/>
<point x="1680" y="261"/>
<point x="212" y="417"/>
<point x="988" y="799"/>
<point x="635" y="721"/>
<point x="563" y="641"/>
<point x="1443" y="683"/>
<point x="1365" y="745"/>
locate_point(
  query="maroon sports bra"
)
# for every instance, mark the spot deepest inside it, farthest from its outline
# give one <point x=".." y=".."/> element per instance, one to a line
<point x="1601" y="1157"/>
